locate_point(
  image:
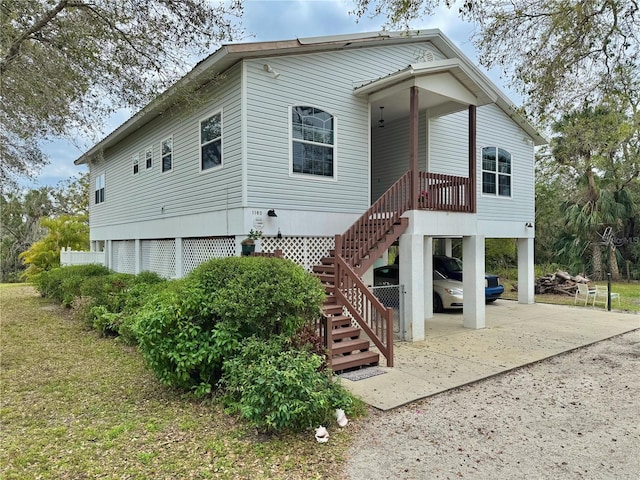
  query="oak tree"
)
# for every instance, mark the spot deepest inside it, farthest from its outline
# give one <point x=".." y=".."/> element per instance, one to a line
<point x="65" y="65"/>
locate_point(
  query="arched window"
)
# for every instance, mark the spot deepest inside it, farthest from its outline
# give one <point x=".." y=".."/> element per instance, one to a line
<point x="496" y="172"/>
<point x="312" y="141"/>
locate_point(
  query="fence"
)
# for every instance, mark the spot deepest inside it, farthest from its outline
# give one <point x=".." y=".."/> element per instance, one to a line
<point x="392" y="296"/>
<point x="72" y="257"/>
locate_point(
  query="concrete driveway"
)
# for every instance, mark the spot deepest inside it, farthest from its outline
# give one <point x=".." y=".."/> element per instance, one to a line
<point x="452" y="355"/>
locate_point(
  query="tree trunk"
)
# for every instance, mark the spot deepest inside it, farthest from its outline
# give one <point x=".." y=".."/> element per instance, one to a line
<point x="596" y="262"/>
<point x="613" y="264"/>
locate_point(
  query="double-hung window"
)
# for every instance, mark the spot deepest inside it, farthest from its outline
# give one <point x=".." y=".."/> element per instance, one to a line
<point x="99" y="191"/>
<point x="167" y="154"/>
<point x="496" y="172"/>
<point x="148" y="157"/>
<point x="136" y="164"/>
<point x="211" y="142"/>
<point x="312" y="141"/>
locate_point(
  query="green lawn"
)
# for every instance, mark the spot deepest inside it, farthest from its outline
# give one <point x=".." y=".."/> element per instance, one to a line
<point x="78" y="406"/>
<point x="629" y="296"/>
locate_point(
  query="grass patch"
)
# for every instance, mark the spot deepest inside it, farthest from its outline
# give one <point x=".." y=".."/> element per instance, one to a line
<point x="629" y="296"/>
<point x="75" y="405"/>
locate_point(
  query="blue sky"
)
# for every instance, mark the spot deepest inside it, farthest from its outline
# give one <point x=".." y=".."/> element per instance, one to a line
<point x="279" y="20"/>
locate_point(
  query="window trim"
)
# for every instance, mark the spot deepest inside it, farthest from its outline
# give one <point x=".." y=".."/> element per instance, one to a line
<point x="147" y="150"/>
<point x="496" y="173"/>
<point x="162" y="170"/>
<point x="311" y="176"/>
<point x="99" y="186"/>
<point x="135" y="162"/>
<point x="200" y="144"/>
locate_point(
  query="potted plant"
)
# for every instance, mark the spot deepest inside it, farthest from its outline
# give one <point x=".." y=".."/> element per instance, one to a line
<point x="249" y="243"/>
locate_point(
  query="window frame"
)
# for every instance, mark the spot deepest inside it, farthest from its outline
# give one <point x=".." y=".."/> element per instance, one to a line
<point x="163" y="155"/>
<point x="99" y="196"/>
<point x="334" y="146"/>
<point x="220" y="138"/>
<point x="148" y="159"/>
<point x="497" y="174"/>
<point x="135" y="162"/>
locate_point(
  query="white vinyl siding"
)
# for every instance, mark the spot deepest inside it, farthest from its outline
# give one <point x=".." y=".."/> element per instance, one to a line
<point x="448" y="153"/>
<point x="326" y="81"/>
<point x="390" y="152"/>
<point x="185" y="191"/>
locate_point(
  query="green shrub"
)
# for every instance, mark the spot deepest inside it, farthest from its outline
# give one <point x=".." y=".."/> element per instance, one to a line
<point x="179" y="340"/>
<point x="262" y="296"/>
<point x="187" y="331"/>
<point x="64" y="283"/>
<point x="278" y="388"/>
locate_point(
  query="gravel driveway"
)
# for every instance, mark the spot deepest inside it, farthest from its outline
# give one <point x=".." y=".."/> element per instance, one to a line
<point x="574" y="416"/>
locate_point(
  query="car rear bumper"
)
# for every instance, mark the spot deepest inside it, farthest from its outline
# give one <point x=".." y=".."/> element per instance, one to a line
<point x="492" y="293"/>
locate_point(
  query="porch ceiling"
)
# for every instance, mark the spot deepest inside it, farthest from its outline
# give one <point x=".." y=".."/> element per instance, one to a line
<point x="447" y="86"/>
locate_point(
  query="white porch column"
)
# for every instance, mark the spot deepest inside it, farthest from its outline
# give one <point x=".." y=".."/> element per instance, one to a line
<point x="448" y="247"/>
<point x="179" y="258"/>
<point x="473" y="312"/>
<point x="412" y="277"/>
<point x="108" y="253"/>
<point x="525" y="271"/>
<point x="428" y="277"/>
<point x="138" y="256"/>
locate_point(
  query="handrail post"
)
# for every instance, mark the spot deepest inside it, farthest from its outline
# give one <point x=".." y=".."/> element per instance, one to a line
<point x="472" y="158"/>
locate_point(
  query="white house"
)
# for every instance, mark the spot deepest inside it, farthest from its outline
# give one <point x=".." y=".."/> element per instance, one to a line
<point x="350" y="142"/>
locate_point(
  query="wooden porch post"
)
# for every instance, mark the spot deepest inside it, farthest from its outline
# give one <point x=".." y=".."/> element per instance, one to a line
<point x="413" y="147"/>
<point x="472" y="158"/>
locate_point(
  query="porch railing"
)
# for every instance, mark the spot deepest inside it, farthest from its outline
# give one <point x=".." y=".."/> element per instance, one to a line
<point x="446" y="192"/>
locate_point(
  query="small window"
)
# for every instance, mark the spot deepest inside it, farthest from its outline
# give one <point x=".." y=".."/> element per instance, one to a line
<point x="312" y="141"/>
<point x="99" y="192"/>
<point x="167" y="154"/>
<point x="148" y="158"/>
<point x="496" y="172"/>
<point x="136" y="164"/>
<point x="211" y="142"/>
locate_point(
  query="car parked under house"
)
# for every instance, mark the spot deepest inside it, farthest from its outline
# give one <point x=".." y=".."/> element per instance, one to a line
<point x="335" y="148"/>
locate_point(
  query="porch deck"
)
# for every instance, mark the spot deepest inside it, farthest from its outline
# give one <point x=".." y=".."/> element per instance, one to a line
<point x="515" y="335"/>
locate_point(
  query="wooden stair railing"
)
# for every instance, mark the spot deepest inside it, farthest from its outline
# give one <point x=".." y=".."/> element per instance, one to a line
<point x="374" y="318"/>
<point x="357" y="249"/>
<point x="377" y="227"/>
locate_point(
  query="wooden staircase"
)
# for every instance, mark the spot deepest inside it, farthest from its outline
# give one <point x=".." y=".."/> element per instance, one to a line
<point x="347" y="349"/>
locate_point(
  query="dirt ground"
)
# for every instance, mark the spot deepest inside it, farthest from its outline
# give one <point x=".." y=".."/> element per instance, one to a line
<point x="574" y="416"/>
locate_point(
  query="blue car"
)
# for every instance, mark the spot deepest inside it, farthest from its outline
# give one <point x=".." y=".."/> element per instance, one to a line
<point x="451" y="267"/>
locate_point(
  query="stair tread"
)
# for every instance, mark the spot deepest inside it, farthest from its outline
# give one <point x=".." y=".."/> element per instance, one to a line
<point x="355" y="360"/>
<point x="344" y="332"/>
<point x="350" y="345"/>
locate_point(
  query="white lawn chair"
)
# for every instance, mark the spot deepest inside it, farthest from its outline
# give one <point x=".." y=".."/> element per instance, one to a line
<point x="584" y="293"/>
<point x="601" y="295"/>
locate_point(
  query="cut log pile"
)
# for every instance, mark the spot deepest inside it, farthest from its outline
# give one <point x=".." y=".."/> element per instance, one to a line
<point x="559" y="283"/>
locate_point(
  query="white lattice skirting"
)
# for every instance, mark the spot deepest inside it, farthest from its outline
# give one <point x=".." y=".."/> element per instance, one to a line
<point x="198" y="250"/>
<point x="123" y="256"/>
<point x="159" y="256"/>
<point x="305" y="251"/>
<point x="166" y="258"/>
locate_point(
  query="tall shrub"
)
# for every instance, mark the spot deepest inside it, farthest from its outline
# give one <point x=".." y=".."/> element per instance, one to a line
<point x="187" y="332"/>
